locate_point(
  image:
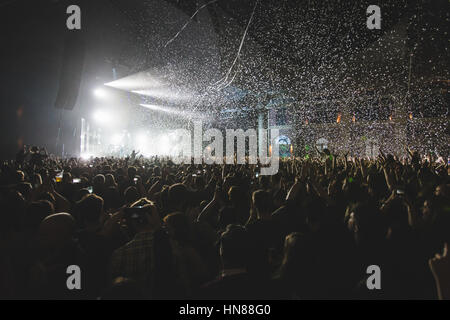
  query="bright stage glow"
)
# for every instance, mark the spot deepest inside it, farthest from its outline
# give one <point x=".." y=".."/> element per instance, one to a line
<point x="104" y="117"/>
<point x="164" y="145"/>
<point x="150" y="143"/>
<point x="116" y="139"/>
<point x="141" y="140"/>
<point x="147" y="143"/>
<point x="85" y="156"/>
<point x="100" y="93"/>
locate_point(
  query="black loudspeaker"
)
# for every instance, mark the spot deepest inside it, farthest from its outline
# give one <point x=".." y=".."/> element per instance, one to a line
<point x="71" y="71"/>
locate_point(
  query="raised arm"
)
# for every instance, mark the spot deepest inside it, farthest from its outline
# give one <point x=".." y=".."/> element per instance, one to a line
<point x="409" y="151"/>
<point x="210" y="212"/>
<point x="388" y="177"/>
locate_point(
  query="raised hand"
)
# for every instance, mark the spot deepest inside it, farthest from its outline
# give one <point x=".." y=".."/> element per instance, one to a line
<point x="440" y="268"/>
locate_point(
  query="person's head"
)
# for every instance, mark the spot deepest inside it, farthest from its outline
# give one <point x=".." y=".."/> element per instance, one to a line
<point x="109" y="180"/>
<point x="377" y="185"/>
<point x="19" y="176"/>
<point x="395" y="213"/>
<point x="415" y="159"/>
<point x="132" y="171"/>
<point x="121" y="179"/>
<point x="236" y="196"/>
<point x="81" y="193"/>
<point x="36" y="212"/>
<point x="426" y="177"/>
<point x="261" y="202"/>
<point x="25" y="189"/>
<point x="178" y="226"/>
<point x="178" y="196"/>
<point x="296" y="249"/>
<point x="131" y="194"/>
<point x="442" y="190"/>
<point x="316" y="213"/>
<point x="199" y="183"/>
<point x="353" y="190"/>
<point x="36" y="180"/>
<point x="142" y="216"/>
<point x="90" y="209"/>
<point x="234" y="247"/>
<point x="99" y="180"/>
<point x="55" y="233"/>
<point x="67" y="178"/>
<point x="229" y="181"/>
<point x="298" y="264"/>
<point x="156" y="171"/>
<point x="111" y="198"/>
<point x="365" y="222"/>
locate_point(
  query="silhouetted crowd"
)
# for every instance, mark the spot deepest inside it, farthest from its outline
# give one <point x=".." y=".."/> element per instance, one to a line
<point x="146" y="228"/>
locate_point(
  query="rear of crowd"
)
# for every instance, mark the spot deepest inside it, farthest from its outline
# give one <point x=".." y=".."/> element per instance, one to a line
<point x="146" y="228"/>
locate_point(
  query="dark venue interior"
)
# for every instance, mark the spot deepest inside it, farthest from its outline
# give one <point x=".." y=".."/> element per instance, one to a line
<point x="224" y="150"/>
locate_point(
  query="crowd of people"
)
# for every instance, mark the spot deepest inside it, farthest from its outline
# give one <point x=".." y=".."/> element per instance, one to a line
<point x="146" y="228"/>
